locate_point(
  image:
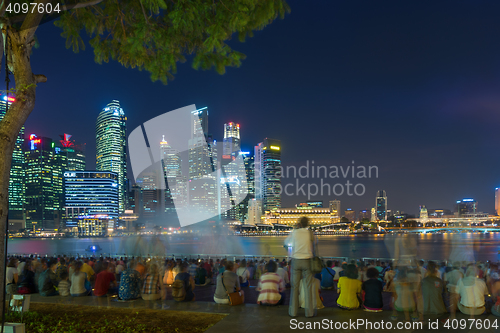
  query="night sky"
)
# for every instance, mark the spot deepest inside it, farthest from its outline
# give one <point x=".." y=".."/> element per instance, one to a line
<point x="411" y="87"/>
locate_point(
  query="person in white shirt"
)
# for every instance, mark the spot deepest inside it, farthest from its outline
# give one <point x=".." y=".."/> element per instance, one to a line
<point x="471" y="291"/>
<point x="283" y="274"/>
<point x="243" y="273"/>
<point x="301" y="240"/>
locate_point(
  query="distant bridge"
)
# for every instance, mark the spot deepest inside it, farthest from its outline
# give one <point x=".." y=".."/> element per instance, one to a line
<point x="450" y="228"/>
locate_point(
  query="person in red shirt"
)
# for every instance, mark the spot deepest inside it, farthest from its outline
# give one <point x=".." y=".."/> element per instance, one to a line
<point x="104" y="280"/>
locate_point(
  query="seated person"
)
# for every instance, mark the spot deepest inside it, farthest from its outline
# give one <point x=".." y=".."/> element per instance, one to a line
<point x="494" y="278"/>
<point x="201" y="275"/>
<point x="327" y="276"/>
<point x="283" y="273"/>
<point x="271" y="286"/>
<point x="404" y="295"/>
<point x="130" y="283"/>
<point x="151" y="289"/>
<point x="227" y="282"/>
<point x="183" y="286"/>
<point x="105" y="279"/>
<point x="471" y="291"/>
<point x="78" y="281"/>
<point x="64" y="286"/>
<point x="373" y="291"/>
<point x="317" y="299"/>
<point x="432" y="290"/>
<point x="47" y="281"/>
<point x="349" y="288"/>
<point x="26" y="282"/>
<point x="243" y="273"/>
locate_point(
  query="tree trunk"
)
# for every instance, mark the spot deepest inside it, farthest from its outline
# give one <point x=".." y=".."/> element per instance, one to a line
<point x="19" y="49"/>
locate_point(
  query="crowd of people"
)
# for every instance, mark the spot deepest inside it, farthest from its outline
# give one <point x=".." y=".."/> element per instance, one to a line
<point x="416" y="288"/>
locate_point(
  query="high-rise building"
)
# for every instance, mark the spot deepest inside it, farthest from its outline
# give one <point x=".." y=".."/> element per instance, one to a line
<point x="16" y="180"/>
<point x="176" y="189"/>
<point x="497" y="201"/>
<point x="466" y="206"/>
<point x="203" y="188"/>
<point x="90" y="193"/>
<point x="111" y="152"/>
<point x="152" y="195"/>
<point x="335" y="207"/>
<point x="267" y="170"/>
<point x="350" y="214"/>
<point x="231" y="143"/>
<point x="381" y="205"/>
<point x="44" y="168"/>
<point x="254" y="211"/>
<point x="243" y="207"/>
<point x="232" y="185"/>
<point x="364" y="214"/>
<point x="74" y="151"/>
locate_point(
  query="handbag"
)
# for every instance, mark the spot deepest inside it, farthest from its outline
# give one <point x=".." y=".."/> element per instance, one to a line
<point x="236" y="298"/>
<point x="317" y="264"/>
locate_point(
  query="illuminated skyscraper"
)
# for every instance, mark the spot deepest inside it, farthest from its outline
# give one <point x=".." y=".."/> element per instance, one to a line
<point x="16" y="181"/>
<point x="466" y="206"/>
<point x="44" y="168"/>
<point x="267" y="169"/>
<point x="364" y="215"/>
<point x="74" y="151"/>
<point x="381" y="205"/>
<point x="231" y="143"/>
<point x="176" y="189"/>
<point x="90" y="193"/>
<point x="350" y="214"/>
<point x="424" y="216"/>
<point x="335" y="207"/>
<point x="203" y="179"/>
<point x="111" y="152"/>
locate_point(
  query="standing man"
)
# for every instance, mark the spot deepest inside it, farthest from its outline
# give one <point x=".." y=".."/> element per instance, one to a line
<point x="301" y="241"/>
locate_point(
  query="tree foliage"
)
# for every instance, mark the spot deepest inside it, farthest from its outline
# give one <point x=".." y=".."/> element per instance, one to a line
<point x="155" y="35"/>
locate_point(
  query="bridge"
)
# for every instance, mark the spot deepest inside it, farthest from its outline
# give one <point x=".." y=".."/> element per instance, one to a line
<point x="426" y="230"/>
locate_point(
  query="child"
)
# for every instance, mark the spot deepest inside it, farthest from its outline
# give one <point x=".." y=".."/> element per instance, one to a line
<point x="64" y="284"/>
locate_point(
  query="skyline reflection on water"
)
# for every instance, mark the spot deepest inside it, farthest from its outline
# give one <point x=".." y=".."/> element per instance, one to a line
<point x="451" y="246"/>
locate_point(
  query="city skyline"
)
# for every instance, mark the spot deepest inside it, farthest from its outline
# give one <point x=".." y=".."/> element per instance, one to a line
<point x="375" y="91"/>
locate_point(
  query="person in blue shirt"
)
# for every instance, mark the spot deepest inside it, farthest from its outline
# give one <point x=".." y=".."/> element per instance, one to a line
<point x="327" y="275"/>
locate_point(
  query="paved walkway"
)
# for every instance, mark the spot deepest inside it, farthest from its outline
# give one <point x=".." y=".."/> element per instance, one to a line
<point x="261" y="319"/>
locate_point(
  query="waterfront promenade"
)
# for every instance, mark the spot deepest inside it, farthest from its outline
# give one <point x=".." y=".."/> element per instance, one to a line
<point x="253" y="318"/>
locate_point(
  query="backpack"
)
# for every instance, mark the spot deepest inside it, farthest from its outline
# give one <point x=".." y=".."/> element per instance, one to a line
<point x="178" y="290"/>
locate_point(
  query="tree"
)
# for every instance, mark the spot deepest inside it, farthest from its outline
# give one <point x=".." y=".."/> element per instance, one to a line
<point x="151" y="35"/>
<point x="344" y="219"/>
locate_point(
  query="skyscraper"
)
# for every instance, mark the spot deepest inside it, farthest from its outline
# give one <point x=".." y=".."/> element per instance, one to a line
<point x="44" y="168"/>
<point x="466" y="206"/>
<point x="350" y="214"/>
<point x="267" y="169"/>
<point x="74" y="151"/>
<point x="16" y="181"/>
<point x="381" y="205"/>
<point x="364" y="215"/>
<point x="203" y="179"/>
<point x="231" y="143"/>
<point x="176" y="191"/>
<point x="111" y="152"/>
<point x="90" y="193"/>
<point x="335" y="207"/>
<point x="232" y="184"/>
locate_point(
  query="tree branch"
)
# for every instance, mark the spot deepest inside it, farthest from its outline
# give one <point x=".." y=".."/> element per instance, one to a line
<point x="40" y="78"/>
<point x="30" y="24"/>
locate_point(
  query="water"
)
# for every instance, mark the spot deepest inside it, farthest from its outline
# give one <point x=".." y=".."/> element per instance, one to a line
<point x="478" y="246"/>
